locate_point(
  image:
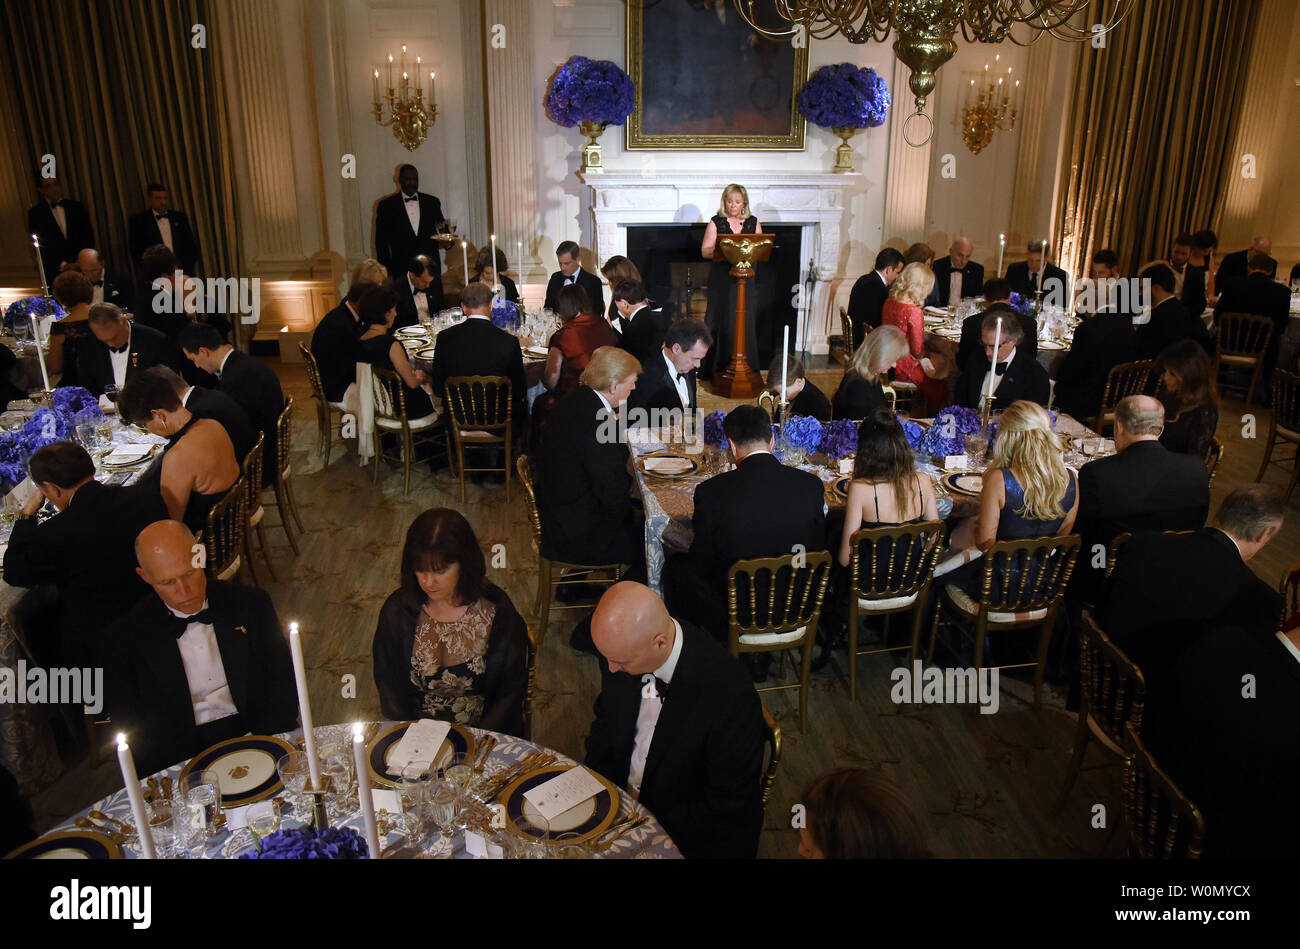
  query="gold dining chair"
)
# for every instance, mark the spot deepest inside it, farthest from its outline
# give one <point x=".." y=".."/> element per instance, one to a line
<point x="478" y="412"/>
<point x="1123" y="380"/>
<point x="1213" y="455"/>
<point x="1162" y="822"/>
<point x="846" y="329"/>
<point x="391" y="419"/>
<point x="1284" y="426"/>
<point x="773" y="605"/>
<point x="534" y="645"/>
<point x="250" y="473"/>
<point x="223" y="538"/>
<point x="1289" y="587"/>
<point x="285" y="501"/>
<point x="773" y="740"/>
<point x="890" y="572"/>
<point x="1241" y="341"/>
<point x="1031" y="576"/>
<point x="325" y="409"/>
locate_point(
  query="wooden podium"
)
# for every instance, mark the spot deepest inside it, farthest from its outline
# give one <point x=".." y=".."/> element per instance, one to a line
<point x="742" y="251"/>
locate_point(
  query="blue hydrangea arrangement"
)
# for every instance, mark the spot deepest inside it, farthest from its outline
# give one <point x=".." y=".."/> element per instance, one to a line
<point x="22" y="311"/>
<point x="307" y="843"/>
<point x="45" y="427"/>
<point x="802" y="432"/>
<point x="947" y="436"/>
<point x="589" y="90"/>
<point x="912" y="432"/>
<point x="505" y="314"/>
<point x="839" y="438"/>
<point x="845" y="96"/>
<point x="713" y="433"/>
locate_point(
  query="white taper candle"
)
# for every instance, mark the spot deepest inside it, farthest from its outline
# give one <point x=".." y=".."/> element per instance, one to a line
<point x="132" y="782"/>
<point x="363" y="792"/>
<point x="304" y="705"/>
<point x="993" y="363"/>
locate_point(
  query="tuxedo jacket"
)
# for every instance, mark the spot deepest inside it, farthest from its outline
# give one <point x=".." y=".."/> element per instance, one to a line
<point x="644" y="335"/>
<point x="726" y="529"/>
<point x="221" y="408"/>
<point x="1170" y="322"/>
<point x="117" y="290"/>
<point x="148" y="348"/>
<point x="586" y="279"/>
<point x="1193" y="295"/>
<point x="56" y="247"/>
<point x="144" y="233"/>
<point x="336" y="344"/>
<point x="407" y="312"/>
<point x="972" y="337"/>
<point x="396" y="243"/>
<point x="1166" y="587"/>
<point x="88" y="552"/>
<point x="1022" y="282"/>
<point x="1145" y="487"/>
<point x="1232" y="267"/>
<point x="1100" y="344"/>
<point x="701" y="777"/>
<point x="865" y="303"/>
<point x="148" y="694"/>
<point x="584" y="486"/>
<point x="656" y="389"/>
<point x="1025" y="378"/>
<point x="254" y="387"/>
<point x="972" y="281"/>
<point x="475" y="347"/>
<point x="1261" y="295"/>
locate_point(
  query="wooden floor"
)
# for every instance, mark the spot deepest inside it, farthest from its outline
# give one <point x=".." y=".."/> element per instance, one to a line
<point x="983" y="784"/>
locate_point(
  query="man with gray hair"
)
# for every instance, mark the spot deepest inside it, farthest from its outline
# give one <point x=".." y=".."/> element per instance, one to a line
<point x="1145" y="487"/>
<point x="1234" y="266"/>
<point x="957" y="261"/>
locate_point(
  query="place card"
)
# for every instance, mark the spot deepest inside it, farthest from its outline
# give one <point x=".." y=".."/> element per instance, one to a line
<point x="414" y="754"/>
<point x="846" y="466"/>
<point x="955" y="463"/>
<point x="478" y="846"/>
<point x="386" y="800"/>
<point x="238" y="818"/>
<point x="563" y="792"/>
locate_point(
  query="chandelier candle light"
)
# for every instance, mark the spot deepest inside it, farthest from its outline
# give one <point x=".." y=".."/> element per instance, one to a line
<point x="408" y="114"/>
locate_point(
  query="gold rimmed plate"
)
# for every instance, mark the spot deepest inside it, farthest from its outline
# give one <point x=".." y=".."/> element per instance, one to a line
<point x="667" y="465"/>
<point x="537" y="352"/>
<point x="1052" y="345"/>
<point x="71" y="845"/>
<point x="459" y="741"/>
<point x="127" y="456"/>
<point x="245" y="768"/>
<point x="841" y="487"/>
<point x="968" y="483"/>
<point x="586" y="821"/>
<point x="411" y="331"/>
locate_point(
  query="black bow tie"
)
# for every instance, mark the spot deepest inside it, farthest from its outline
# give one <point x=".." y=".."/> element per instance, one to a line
<point x="409" y="200"/>
<point x="159" y="217"/>
<point x="97" y="283"/>
<point x="1001" y="367"/>
<point x="681" y="376"/>
<point x="119" y="349"/>
<point x="57" y="204"/>
<point x="661" y="688"/>
<point x="178" y="624"/>
<point x="570" y="281"/>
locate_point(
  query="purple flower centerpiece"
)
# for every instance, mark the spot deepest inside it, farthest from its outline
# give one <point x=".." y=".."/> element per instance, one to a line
<point x="839" y="439"/>
<point x="802" y="434"/>
<point x="590" y="94"/>
<point x="947" y="436"/>
<point x="844" y="98"/>
<point x="308" y="843"/>
<point x="505" y="315"/>
<point x="22" y="311"/>
<point x="71" y="401"/>
<point x="45" y="427"/>
<point x="713" y="433"/>
<point x="912" y="432"/>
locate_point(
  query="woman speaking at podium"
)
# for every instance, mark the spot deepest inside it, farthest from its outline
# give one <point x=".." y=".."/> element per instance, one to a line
<point x="733" y="217"/>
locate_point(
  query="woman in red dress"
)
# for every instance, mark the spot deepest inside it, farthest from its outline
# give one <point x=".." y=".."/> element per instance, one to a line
<point x="570" y="349"/>
<point x="903" y="310"/>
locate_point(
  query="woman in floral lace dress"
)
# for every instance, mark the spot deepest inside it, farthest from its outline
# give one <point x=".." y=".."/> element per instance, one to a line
<point x="450" y="645"/>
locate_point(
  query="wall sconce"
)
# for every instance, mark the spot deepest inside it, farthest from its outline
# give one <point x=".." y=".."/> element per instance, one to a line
<point x="993" y="107"/>
<point x="408" y="115"/>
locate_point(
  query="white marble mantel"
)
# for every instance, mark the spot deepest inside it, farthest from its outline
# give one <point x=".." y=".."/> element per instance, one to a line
<point x="812" y="200"/>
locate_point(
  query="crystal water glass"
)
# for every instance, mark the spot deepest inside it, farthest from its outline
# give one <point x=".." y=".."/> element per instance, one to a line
<point x="200" y="797"/>
<point x="294" y="775"/>
<point x="163" y="820"/>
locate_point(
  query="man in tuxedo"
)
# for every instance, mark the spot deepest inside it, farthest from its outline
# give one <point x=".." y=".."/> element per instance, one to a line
<point x="86" y="551"/>
<point x="62" y="226"/>
<point x="1144" y="487"/>
<point x="1236" y="265"/>
<point x="119" y="350"/>
<point x="1169" y="320"/>
<point x="336" y="343"/>
<point x="1104" y="339"/>
<point x="870" y="291"/>
<point x="667" y="379"/>
<point x="475" y="347"/>
<point x="642" y="325"/>
<point x="571" y="273"/>
<point x="1189" y="281"/>
<point x="1027" y="276"/>
<point x="996" y="290"/>
<point x="1260" y="294"/>
<point x="416" y="297"/>
<point x="200" y="662"/>
<point x="405" y="225"/>
<point x="679" y="724"/>
<point x="159" y="224"/>
<point x="957" y="261"/>
<point x="215" y="405"/>
<point x="110" y="286"/>
<point x="1016" y="374"/>
<point x="583" y="483"/>
<point x="1167" y="587"/>
<point x="247" y="381"/>
<point x="793" y="512"/>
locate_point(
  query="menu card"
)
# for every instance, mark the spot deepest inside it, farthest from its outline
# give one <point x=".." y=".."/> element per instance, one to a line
<point x="414" y="754"/>
<point x="563" y="792"/>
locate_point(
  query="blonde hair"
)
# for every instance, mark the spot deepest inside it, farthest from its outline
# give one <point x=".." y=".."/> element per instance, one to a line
<point x="608" y="367"/>
<point x="1027" y="443"/>
<point x="617" y="269"/>
<point x="879" y="351"/>
<point x="913" y="284"/>
<point x="726" y="193"/>
<point x="370" y="271"/>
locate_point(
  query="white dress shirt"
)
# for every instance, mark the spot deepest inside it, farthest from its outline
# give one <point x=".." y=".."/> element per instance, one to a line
<point x="205" y="672"/>
<point x="60" y="217"/>
<point x="120" y="361"/>
<point x="412" y="212"/>
<point x="421" y="299"/>
<point x="165" y="230"/>
<point x="648" y="717"/>
<point x="683" y="390"/>
<point x="997" y="379"/>
<point x="98" y="291"/>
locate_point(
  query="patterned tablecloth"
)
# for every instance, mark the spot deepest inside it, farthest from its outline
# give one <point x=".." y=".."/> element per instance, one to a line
<point x="648" y="841"/>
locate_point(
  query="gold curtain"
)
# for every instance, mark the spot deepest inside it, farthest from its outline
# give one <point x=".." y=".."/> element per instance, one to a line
<point x="1150" y="130"/>
<point x="119" y="95"/>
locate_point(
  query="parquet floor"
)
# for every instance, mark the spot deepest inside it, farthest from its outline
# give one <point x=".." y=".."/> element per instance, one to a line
<point x="983" y="784"/>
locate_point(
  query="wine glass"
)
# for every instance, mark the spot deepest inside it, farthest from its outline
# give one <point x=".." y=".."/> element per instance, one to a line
<point x="294" y="774"/>
<point x="263" y="818"/>
<point x="111" y="392"/>
<point x="442" y="798"/>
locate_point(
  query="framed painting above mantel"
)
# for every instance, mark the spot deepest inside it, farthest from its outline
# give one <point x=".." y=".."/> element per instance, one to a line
<point x="705" y="80"/>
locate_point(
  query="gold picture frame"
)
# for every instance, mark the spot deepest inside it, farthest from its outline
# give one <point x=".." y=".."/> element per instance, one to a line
<point x="662" y="123"/>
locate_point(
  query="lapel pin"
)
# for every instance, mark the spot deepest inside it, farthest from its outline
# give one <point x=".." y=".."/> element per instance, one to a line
<point x="242" y="630"/>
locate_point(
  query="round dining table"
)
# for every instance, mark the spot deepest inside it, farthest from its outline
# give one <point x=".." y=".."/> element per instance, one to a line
<point x="641" y="837"/>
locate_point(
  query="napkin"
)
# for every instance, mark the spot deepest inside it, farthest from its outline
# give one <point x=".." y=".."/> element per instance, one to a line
<point x="105" y="405"/>
<point x="414" y="754"/>
<point x="668" y="465"/>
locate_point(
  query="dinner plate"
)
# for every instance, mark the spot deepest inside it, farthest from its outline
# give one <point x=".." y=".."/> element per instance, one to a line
<point x="968" y="483"/>
<point x="71" y="845"/>
<point x="667" y="466"/>
<point x="1051" y="345"/>
<point x="411" y="331"/>
<point x="127" y="456"/>
<point x="459" y="741"/>
<point x="936" y="311"/>
<point x="586" y="821"/>
<point x="245" y="768"/>
<point x="841" y="487"/>
<point x="540" y="352"/>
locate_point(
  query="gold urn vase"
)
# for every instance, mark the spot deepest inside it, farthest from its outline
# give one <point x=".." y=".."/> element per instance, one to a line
<point x="592" y="162"/>
<point x="844" y="153"/>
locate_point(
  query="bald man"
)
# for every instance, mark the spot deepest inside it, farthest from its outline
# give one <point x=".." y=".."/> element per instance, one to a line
<point x="110" y="286"/>
<point x="957" y="261"/>
<point x="198" y="662"/>
<point x="1236" y="265"/>
<point x="678" y="723"/>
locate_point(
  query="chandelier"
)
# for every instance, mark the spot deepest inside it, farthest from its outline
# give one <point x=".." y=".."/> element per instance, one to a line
<point x="408" y="115"/>
<point x="927" y="28"/>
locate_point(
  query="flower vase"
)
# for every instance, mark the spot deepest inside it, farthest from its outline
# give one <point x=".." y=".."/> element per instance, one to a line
<point x="592" y="162"/>
<point x="844" y="153"/>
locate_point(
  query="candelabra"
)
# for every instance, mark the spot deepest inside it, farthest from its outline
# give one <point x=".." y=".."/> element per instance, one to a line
<point x="408" y="114"/>
<point x="992" y="110"/>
